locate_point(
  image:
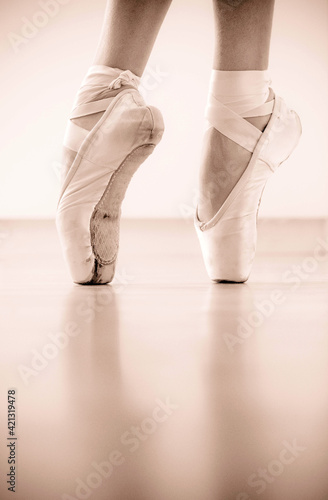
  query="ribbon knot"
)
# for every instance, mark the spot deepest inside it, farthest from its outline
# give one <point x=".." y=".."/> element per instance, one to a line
<point x="126" y="77"/>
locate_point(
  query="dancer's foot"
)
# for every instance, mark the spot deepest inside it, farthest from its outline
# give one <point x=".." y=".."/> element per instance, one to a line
<point x="228" y="235"/>
<point x="113" y="133"/>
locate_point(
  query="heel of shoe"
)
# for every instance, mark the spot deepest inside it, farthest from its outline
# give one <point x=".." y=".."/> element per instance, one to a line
<point x="283" y="136"/>
<point x="158" y="125"/>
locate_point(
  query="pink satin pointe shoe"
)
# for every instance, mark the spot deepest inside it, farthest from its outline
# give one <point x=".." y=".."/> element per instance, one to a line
<point x="228" y="240"/>
<point x="89" y="208"/>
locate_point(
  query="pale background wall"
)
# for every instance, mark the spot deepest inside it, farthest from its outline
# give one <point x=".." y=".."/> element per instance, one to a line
<point x="39" y="81"/>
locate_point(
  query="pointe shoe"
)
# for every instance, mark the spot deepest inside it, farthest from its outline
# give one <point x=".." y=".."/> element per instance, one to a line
<point x="89" y="208"/>
<point x="228" y="240"/>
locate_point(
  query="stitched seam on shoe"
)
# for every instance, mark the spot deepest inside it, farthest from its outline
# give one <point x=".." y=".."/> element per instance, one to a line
<point x="101" y="201"/>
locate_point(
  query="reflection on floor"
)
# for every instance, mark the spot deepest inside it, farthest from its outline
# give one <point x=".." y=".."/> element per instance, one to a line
<point x="163" y="386"/>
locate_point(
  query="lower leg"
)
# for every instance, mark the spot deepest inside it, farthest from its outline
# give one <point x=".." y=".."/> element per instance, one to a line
<point x="243" y="30"/>
<point x="129" y="32"/>
<point x="243" y="34"/>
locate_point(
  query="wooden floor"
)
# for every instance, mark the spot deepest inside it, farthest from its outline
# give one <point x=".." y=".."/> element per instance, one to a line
<point x="164" y="386"/>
